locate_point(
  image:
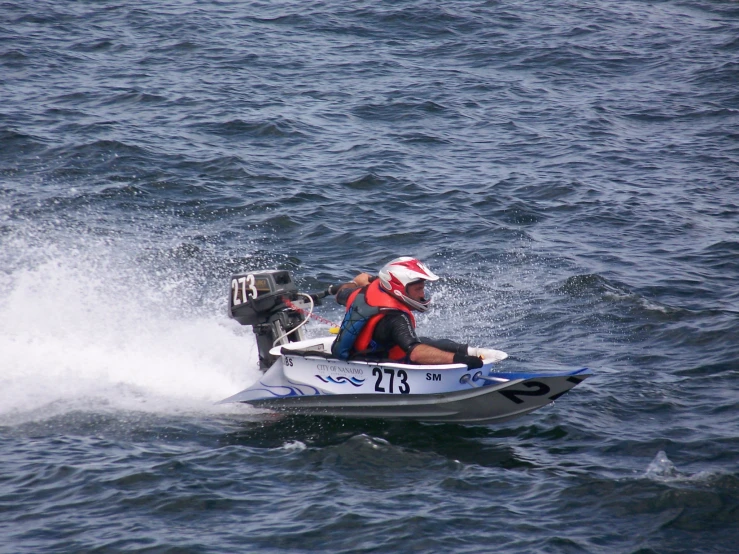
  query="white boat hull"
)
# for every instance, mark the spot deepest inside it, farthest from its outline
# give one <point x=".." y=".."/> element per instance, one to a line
<point x="319" y="385"/>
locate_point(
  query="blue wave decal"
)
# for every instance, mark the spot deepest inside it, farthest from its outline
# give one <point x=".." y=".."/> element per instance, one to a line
<point x="274" y="390"/>
<point x="315" y="390"/>
<point x="270" y="389"/>
<point x="341" y="380"/>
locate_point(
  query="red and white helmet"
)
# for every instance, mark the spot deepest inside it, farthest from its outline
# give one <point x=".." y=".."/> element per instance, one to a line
<point x="401" y="272"/>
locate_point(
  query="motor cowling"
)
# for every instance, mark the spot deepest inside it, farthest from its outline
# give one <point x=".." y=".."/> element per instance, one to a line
<point x="260" y="299"/>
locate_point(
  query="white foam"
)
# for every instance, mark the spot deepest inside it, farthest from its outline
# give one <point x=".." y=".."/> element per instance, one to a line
<point x="294" y="445"/>
<point x="661" y="468"/>
<point x="87" y="327"/>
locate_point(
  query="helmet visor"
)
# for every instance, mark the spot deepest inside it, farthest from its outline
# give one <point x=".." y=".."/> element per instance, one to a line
<point x="417" y="292"/>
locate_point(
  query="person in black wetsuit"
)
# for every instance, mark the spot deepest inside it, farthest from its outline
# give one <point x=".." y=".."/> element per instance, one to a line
<point x="384" y="326"/>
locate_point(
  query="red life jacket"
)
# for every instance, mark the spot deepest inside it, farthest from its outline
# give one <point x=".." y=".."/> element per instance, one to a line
<point x="377" y="297"/>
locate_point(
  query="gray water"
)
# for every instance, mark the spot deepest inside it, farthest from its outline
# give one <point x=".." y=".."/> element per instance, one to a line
<point x="570" y="169"/>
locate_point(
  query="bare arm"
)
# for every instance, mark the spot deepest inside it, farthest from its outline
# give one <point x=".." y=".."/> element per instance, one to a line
<point x="429" y="355"/>
<point x="398" y="325"/>
<point x="360" y="280"/>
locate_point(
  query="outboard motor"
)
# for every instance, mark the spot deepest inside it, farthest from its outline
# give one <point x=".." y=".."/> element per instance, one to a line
<point x="261" y="299"/>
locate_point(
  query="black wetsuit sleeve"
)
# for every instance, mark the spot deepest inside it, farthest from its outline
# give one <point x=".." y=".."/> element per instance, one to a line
<point x="446" y="344"/>
<point x="396" y="329"/>
<point x="342" y="297"/>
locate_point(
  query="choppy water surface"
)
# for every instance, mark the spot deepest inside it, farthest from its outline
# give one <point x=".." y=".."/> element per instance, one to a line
<point x="569" y="168"/>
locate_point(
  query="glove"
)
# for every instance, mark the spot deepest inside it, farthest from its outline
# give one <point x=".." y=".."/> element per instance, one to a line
<point x="487" y="354"/>
<point x="473" y="362"/>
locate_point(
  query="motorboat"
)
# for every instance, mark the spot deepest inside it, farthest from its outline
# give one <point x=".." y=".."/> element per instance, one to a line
<point x="300" y="375"/>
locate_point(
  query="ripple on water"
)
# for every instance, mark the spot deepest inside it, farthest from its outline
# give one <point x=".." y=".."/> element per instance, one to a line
<point x="568" y="170"/>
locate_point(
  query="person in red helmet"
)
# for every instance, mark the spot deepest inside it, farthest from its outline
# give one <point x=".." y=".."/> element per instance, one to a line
<point x="379" y="323"/>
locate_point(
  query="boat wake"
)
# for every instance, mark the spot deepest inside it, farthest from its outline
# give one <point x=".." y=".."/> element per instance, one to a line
<point x="90" y="327"/>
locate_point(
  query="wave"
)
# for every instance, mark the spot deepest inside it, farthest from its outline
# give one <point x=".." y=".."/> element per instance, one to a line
<point x="401" y="110"/>
<point x="277" y="129"/>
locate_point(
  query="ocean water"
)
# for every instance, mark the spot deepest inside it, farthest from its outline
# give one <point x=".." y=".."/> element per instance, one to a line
<point x="570" y="169"/>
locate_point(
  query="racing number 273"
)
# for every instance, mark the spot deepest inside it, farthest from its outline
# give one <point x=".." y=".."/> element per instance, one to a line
<point x="403" y="385"/>
<point x="243" y="288"/>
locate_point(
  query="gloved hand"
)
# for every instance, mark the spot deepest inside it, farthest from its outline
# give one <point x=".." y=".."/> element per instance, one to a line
<point x="487" y="354"/>
<point x="473" y="362"/>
